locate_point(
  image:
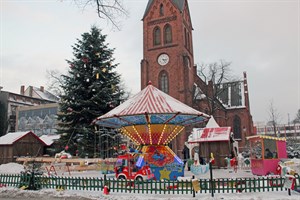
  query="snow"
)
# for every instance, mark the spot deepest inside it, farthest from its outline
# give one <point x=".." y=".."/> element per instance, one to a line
<point x="11" y="168"/>
<point x="49" y="139"/>
<point x="212" y="123"/>
<point x="10" y="138"/>
<point x="51" y="194"/>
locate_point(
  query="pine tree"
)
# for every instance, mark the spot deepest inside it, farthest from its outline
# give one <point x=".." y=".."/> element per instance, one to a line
<point x="91" y="88"/>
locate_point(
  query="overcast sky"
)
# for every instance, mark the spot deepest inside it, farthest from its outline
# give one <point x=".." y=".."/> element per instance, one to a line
<point x="260" y="37"/>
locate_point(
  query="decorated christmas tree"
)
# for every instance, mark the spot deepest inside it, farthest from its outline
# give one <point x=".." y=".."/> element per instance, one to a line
<point x="91" y="88"/>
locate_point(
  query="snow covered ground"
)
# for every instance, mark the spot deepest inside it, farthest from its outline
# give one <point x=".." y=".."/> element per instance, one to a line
<point x="8" y="193"/>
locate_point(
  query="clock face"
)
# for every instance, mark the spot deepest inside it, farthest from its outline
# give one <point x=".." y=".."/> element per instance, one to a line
<point x="163" y="59"/>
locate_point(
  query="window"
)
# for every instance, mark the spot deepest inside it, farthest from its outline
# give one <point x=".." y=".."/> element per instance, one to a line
<point x="163" y="82"/>
<point x="185" y="37"/>
<point x="187" y="61"/>
<point x="168" y="34"/>
<point x="156" y="36"/>
<point x="237" y="127"/>
<point x="161" y="10"/>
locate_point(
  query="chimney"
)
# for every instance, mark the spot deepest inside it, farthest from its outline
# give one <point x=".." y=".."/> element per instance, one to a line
<point x="30" y="91"/>
<point x="42" y="89"/>
<point x="22" y="90"/>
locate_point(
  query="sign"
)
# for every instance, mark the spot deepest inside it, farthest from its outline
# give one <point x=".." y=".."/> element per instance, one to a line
<point x="196" y="185"/>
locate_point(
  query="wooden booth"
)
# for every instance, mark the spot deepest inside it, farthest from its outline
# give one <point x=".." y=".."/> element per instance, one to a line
<point x="213" y="140"/>
<point x="266" y="152"/>
<point x="17" y="144"/>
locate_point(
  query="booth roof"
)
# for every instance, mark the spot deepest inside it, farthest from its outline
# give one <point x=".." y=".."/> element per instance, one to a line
<point x="217" y="134"/>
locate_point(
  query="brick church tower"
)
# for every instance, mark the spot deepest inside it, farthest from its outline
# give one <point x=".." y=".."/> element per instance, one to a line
<point x="168" y="60"/>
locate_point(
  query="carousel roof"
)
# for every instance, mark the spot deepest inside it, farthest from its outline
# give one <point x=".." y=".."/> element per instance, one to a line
<point x="151" y="106"/>
<point x="151" y="117"/>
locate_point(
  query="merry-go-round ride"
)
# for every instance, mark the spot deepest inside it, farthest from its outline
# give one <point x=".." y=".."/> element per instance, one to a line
<point x="151" y="120"/>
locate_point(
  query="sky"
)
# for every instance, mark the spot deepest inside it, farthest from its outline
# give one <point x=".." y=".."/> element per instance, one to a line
<point x="260" y="37"/>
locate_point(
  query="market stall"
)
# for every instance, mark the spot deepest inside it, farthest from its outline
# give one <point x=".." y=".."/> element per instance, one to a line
<point x="266" y="152"/>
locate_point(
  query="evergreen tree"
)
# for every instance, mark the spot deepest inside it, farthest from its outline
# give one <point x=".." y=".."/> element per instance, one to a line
<point x="90" y="89"/>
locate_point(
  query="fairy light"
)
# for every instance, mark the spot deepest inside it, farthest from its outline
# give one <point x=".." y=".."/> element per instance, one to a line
<point x="150" y="134"/>
<point x="162" y="133"/>
<point x="129" y="135"/>
<point x="143" y="142"/>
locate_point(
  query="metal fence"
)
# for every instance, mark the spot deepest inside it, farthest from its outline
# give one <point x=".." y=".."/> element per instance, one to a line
<point x="220" y="185"/>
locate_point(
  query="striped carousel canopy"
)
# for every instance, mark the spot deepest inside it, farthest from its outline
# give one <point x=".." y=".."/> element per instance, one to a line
<point x="151" y="117"/>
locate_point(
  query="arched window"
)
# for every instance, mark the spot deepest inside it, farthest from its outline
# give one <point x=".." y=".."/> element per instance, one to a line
<point x="161" y="10"/>
<point x="185" y="37"/>
<point x="164" y="82"/>
<point x="237" y="127"/>
<point x="188" y="41"/>
<point x="156" y="36"/>
<point x="168" y="34"/>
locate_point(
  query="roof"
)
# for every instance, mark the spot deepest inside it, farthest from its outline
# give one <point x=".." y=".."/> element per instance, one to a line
<point x="151" y="106"/>
<point x="255" y="137"/>
<point x="49" y="139"/>
<point x="217" y="134"/>
<point x="212" y="123"/>
<point x="178" y="3"/>
<point x="11" y="138"/>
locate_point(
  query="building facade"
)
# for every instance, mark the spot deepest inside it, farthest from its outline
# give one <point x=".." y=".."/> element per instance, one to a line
<point x="168" y="62"/>
<point x="9" y="102"/>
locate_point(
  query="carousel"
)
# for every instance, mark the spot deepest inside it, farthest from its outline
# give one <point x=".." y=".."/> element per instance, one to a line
<point x="151" y="120"/>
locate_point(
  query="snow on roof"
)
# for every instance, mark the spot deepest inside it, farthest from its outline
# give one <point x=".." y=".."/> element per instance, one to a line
<point x="10" y="138"/>
<point x="49" y="139"/>
<point x="212" y="123"/>
<point x="217" y="134"/>
<point x="45" y="94"/>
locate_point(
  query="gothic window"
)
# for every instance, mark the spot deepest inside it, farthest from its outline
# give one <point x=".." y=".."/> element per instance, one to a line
<point x="187" y="61"/>
<point x="188" y="41"/>
<point x="185" y="37"/>
<point x="161" y="10"/>
<point x="156" y="36"/>
<point x="237" y="127"/>
<point x="164" y="82"/>
<point x="168" y="34"/>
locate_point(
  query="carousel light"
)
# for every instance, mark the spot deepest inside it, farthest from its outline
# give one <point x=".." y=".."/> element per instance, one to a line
<point x="162" y="133"/>
<point x="150" y="133"/>
<point x="138" y="134"/>
<point x="129" y="135"/>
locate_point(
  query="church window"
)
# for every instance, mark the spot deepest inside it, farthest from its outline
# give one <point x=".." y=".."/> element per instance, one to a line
<point x="161" y="10"/>
<point x="164" y="82"/>
<point x="156" y="36"/>
<point x="237" y="127"/>
<point x="188" y="41"/>
<point x="168" y="34"/>
<point x="185" y="37"/>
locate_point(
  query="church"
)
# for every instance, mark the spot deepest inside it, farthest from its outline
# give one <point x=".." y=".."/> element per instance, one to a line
<point x="168" y="62"/>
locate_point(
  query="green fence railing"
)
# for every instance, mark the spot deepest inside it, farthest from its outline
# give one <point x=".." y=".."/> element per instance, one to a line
<point x="221" y="185"/>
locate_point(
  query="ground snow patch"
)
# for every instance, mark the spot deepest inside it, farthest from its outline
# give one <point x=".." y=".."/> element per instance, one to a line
<point x="11" y="168"/>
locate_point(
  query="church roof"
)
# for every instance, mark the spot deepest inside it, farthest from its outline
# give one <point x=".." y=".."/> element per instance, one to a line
<point x="178" y="3"/>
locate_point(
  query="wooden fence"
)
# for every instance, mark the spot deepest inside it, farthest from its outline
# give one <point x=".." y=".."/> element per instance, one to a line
<point x="224" y="185"/>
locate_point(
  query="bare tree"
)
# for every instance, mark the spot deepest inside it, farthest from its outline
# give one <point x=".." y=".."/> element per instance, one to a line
<point x="274" y="117"/>
<point x="218" y="77"/>
<point x="297" y="118"/>
<point x="55" y="81"/>
<point x="112" y="10"/>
